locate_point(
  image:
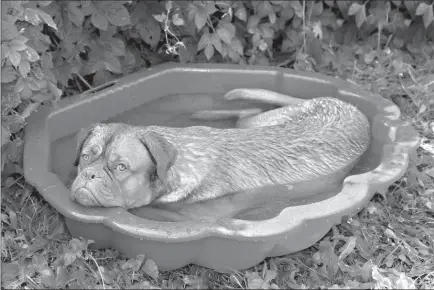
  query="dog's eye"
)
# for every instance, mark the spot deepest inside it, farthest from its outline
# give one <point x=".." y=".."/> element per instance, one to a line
<point x="121" y="167"/>
<point x="85" y="157"/>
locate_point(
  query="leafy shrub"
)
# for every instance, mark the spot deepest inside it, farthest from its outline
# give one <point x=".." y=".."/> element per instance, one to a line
<point x="53" y="49"/>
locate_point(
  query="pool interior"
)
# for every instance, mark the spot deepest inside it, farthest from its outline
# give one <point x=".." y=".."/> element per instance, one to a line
<point x="175" y="111"/>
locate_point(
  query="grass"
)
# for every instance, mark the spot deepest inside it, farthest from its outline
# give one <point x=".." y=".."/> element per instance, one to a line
<point x="389" y="244"/>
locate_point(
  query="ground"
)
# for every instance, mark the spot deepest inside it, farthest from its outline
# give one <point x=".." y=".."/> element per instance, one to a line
<point x="389" y="244"/>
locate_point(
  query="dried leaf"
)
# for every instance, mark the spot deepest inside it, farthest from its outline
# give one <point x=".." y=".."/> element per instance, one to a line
<point x="133" y="263"/>
<point x="151" y="269"/>
<point x="348" y="248"/>
<point x="254" y="281"/>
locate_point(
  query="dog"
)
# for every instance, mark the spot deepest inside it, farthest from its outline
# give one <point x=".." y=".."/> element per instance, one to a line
<point x="197" y="171"/>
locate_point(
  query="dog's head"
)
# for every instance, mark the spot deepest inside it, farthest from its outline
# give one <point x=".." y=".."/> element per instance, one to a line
<point x="121" y="165"/>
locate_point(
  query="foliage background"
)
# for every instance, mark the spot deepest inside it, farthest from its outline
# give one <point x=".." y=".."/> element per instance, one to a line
<point x="54" y="49"/>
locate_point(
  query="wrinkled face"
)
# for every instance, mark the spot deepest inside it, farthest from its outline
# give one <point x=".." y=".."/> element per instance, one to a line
<point x="114" y="169"/>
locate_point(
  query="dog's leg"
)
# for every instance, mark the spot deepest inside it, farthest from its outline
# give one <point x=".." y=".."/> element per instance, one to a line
<point x="212" y="115"/>
<point x="291" y="107"/>
<point x="249" y="118"/>
<point x="270" y="118"/>
<point x="264" y="96"/>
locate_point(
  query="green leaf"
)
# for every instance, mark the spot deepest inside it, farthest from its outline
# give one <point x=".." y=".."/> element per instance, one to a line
<point x="200" y="18"/>
<point x="47" y="61"/>
<point x="160" y="17"/>
<point x="117" y="14"/>
<point x="266" y="30"/>
<point x="235" y="57"/>
<point x="9" y="31"/>
<point x="264" y="9"/>
<point x="210" y="7"/>
<point x="74" y="13"/>
<point x="422" y="8"/>
<point x="24" y="67"/>
<point x="252" y="24"/>
<point x="111" y="44"/>
<point x="224" y="35"/>
<point x="22" y="38"/>
<point x="428" y="16"/>
<point x="47" y="18"/>
<point x="298" y="9"/>
<point x="17" y="45"/>
<point x="317" y="8"/>
<point x="99" y="20"/>
<point x="237" y="46"/>
<point x="241" y="13"/>
<point x="330" y="3"/>
<point x="361" y="16"/>
<point x="112" y="64"/>
<point x="30" y="54"/>
<point x="177" y="20"/>
<point x="272" y="17"/>
<point x="6" y="51"/>
<point x="38" y="40"/>
<point x="87" y="7"/>
<point x="216" y="42"/>
<point x="30" y="15"/>
<point x="55" y="91"/>
<point x="15" y="58"/>
<point x="204" y="40"/>
<point x="9" y="74"/>
<point x="117" y="46"/>
<point x="44" y="3"/>
<point x="354" y="8"/>
<point x="42" y="97"/>
<point x="192" y="11"/>
<point x="209" y="51"/>
<point x="101" y="77"/>
<point x="14" y="123"/>
<point x="150" y="31"/>
<point x="26" y="92"/>
<point x="36" y="84"/>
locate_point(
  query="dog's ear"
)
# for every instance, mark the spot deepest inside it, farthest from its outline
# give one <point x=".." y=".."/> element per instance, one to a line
<point x="81" y="138"/>
<point x="163" y="153"/>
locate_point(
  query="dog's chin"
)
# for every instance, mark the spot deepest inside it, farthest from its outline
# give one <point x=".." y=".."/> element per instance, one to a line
<point x="84" y="197"/>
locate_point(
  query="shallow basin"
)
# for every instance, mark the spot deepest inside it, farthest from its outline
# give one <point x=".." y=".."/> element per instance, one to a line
<point x="167" y="95"/>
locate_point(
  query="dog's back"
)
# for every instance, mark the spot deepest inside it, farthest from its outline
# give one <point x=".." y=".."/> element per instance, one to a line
<point x="325" y="138"/>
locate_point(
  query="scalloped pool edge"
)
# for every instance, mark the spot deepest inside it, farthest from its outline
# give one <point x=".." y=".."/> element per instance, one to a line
<point x="241" y="244"/>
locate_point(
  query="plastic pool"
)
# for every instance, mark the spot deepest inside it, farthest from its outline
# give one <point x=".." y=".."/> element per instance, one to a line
<point x="167" y="95"/>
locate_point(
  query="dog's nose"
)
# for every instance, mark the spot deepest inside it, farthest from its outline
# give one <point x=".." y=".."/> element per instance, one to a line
<point x="89" y="174"/>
